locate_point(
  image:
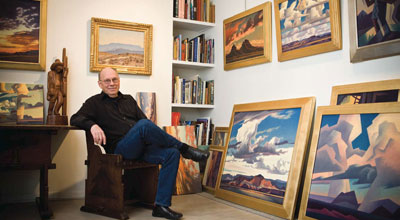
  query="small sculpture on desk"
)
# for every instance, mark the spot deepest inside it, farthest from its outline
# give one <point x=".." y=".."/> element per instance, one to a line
<point x="57" y="91"/>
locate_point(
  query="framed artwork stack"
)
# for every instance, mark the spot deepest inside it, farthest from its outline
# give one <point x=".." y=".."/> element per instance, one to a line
<point x="264" y="157"/>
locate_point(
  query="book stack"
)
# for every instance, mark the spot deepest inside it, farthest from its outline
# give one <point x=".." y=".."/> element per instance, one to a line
<point x="200" y="10"/>
<point x="197" y="49"/>
<point x="193" y="91"/>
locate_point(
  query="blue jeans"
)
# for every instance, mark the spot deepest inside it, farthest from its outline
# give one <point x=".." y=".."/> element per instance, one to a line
<point x="150" y="143"/>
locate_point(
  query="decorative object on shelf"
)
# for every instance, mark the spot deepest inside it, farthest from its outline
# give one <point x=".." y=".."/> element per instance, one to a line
<point x="264" y="156"/>
<point x="21" y="103"/>
<point x="125" y="46"/>
<point x="23" y="30"/>
<point x="188" y="179"/>
<point x="212" y="169"/>
<point x="306" y="27"/>
<point x="353" y="167"/>
<point x="374" y="29"/>
<point x="370" y="92"/>
<point x="247" y="37"/>
<point x="57" y="91"/>
<point x="220" y="136"/>
<point x="147" y="103"/>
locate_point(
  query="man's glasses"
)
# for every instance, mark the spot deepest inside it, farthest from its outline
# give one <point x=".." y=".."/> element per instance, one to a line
<point x="108" y="81"/>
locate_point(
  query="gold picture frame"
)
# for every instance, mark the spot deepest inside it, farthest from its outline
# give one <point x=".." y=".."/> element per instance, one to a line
<point x="369" y="92"/>
<point x="27" y="49"/>
<point x="358" y="35"/>
<point x="220" y="136"/>
<point x="213" y="168"/>
<point x="293" y="25"/>
<point x="272" y="134"/>
<point x="248" y="38"/>
<point x="125" y="46"/>
<point x="345" y="140"/>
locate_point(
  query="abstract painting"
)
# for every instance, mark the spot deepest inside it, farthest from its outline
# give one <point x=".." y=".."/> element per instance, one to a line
<point x="353" y="170"/>
<point x="374" y="29"/>
<point x="368" y="92"/>
<point x="147" y="103"/>
<point x="247" y="37"/>
<point x="188" y="179"/>
<point x="259" y="169"/>
<point x="125" y="46"/>
<point x="23" y="34"/>
<point x="307" y="27"/>
<point x="212" y="169"/>
<point x="21" y="103"/>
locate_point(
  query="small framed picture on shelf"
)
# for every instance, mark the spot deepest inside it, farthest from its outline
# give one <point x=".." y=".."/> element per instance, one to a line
<point x="23" y="34"/>
<point x="369" y="92"/>
<point x="353" y="166"/>
<point x="247" y="37"/>
<point x="305" y="28"/>
<point x="125" y="46"/>
<point x="374" y="29"/>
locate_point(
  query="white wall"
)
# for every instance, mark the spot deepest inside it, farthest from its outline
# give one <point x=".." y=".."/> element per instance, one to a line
<point x="69" y="27"/>
<point x="309" y="76"/>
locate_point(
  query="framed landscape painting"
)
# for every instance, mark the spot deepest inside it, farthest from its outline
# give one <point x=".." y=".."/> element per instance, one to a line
<point x="374" y="29"/>
<point x="266" y="148"/>
<point x="353" y="170"/>
<point x="307" y="27"/>
<point x="147" y="103"/>
<point x="369" y="92"/>
<point x="247" y="37"/>
<point x="212" y="168"/>
<point x="125" y="46"/>
<point x="220" y="136"/>
<point x="23" y="34"/>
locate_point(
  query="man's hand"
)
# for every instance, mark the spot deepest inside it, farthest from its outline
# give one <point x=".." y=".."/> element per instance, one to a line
<point x="98" y="135"/>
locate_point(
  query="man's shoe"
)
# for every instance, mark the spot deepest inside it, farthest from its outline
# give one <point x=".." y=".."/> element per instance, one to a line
<point x="165" y="212"/>
<point x="194" y="154"/>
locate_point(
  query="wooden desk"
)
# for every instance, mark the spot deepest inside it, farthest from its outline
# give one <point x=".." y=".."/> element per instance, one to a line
<point x="28" y="147"/>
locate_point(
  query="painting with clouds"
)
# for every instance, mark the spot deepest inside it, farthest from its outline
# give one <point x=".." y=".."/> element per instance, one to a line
<point x="21" y="34"/>
<point x="355" y="167"/>
<point x="306" y="25"/>
<point x="264" y="154"/>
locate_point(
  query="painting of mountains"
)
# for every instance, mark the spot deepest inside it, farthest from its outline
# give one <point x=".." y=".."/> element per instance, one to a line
<point x="356" y="173"/>
<point x="247" y="37"/>
<point x="259" y="153"/>
<point x="377" y="21"/>
<point x="121" y="47"/>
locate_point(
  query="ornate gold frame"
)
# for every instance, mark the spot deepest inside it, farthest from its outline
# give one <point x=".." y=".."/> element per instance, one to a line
<point x="267" y="37"/>
<point x="334" y="44"/>
<point x="96" y="23"/>
<point x="41" y="65"/>
<point x="286" y="210"/>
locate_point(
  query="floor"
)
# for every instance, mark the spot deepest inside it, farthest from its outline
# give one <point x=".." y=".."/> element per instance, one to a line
<point x="202" y="206"/>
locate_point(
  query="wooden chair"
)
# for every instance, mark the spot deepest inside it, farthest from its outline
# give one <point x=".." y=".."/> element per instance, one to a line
<point x="113" y="182"/>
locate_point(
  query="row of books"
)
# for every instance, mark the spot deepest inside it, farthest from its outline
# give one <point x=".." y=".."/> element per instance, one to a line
<point x="193" y="91"/>
<point x="203" y="127"/>
<point x="197" y="49"/>
<point x="200" y="10"/>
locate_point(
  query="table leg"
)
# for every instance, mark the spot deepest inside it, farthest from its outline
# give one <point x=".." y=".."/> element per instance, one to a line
<point x="43" y="201"/>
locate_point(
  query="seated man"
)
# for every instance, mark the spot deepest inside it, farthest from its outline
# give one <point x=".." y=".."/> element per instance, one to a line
<point x="116" y="121"/>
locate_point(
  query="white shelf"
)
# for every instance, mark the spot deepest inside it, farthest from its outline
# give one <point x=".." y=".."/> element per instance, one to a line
<point x="192" y="25"/>
<point x="192" y="65"/>
<point x="175" y="105"/>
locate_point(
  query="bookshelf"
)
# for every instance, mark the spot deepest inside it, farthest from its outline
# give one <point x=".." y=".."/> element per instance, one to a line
<point x="186" y="67"/>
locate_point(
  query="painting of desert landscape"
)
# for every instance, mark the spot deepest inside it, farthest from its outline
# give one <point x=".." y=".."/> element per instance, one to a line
<point x="377" y="21"/>
<point x="21" y="103"/>
<point x="121" y="47"/>
<point x="259" y="153"/>
<point x="304" y="23"/>
<point x="244" y="38"/>
<point x="19" y="31"/>
<point x="356" y="173"/>
<point x="368" y="97"/>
